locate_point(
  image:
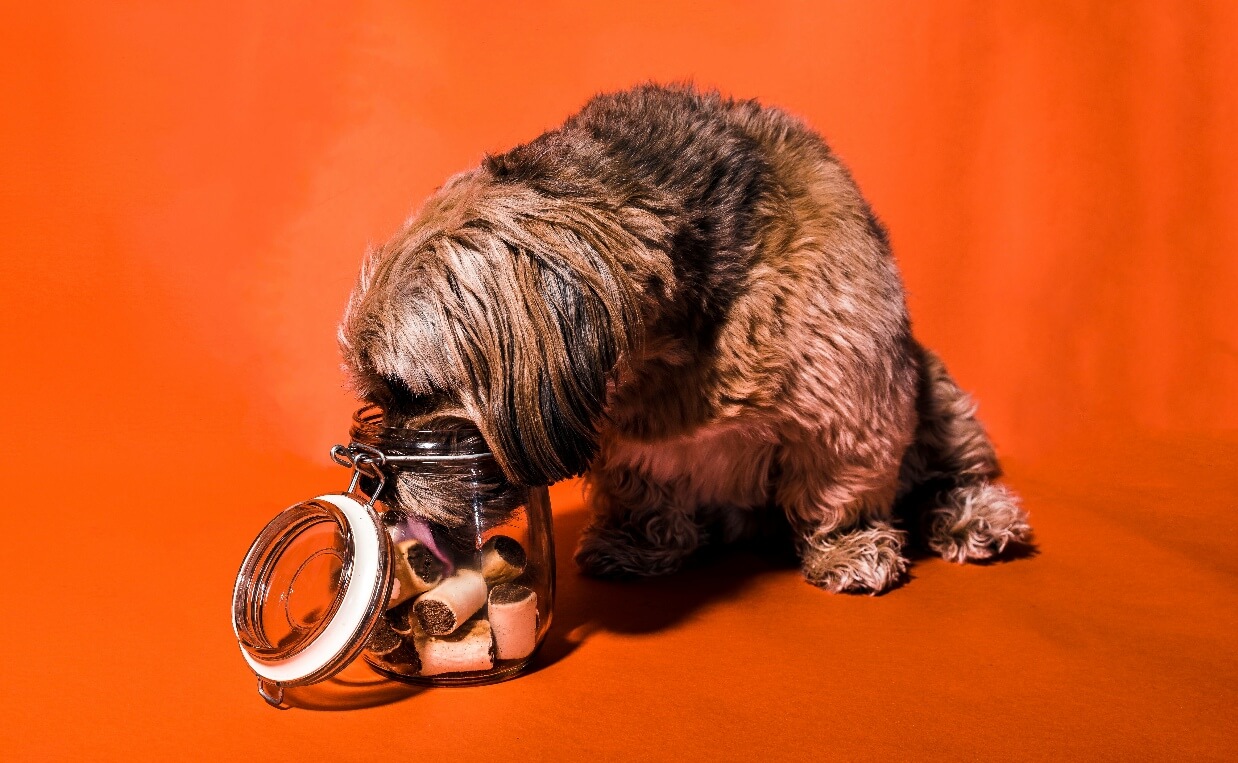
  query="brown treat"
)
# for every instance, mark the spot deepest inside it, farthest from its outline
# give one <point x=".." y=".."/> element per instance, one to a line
<point x="469" y="648"/>
<point x="401" y="619"/>
<point x="510" y="593"/>
<point x="383" y="640"/>
<point x="513" y="619"/>
<point x="405" y="654"/>
<point x="425" y="565"/>
<point x="435" y="617"/>
<point x="502" y="559"/>
<point x="389" y="646"/>
<point x="443" y="609"/>
<point x="417" y="570"/>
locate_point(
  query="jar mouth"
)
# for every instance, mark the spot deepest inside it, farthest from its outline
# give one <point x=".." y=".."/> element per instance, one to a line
<point x="369" y="426"/>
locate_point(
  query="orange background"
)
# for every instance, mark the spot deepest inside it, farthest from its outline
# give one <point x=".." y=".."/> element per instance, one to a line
<point x="187" y="195"/>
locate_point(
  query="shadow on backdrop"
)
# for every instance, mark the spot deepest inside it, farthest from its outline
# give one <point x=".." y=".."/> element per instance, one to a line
<point x="356" y="687"/>
<point x="585" y="605"/>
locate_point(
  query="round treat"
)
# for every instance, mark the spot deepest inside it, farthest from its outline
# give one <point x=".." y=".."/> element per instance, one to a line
<point x="425" y="565"/>
<point x="405" y="654"/>
<point x="509" y="550"/>
<point x="383" y="641"/>
<point x="442" y="609"/>
<point x="399" y="619"/>
<point x="509" y="593"/>
<point x="502" y="559"/>
<point x="435" y="617"/>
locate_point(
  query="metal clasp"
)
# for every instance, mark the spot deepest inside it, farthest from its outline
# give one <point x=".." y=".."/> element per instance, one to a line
<point x="273" y="693"/>
<point x="362" y="459"/>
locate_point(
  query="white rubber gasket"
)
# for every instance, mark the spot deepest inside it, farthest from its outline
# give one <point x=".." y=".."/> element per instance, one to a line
<point x="338" y="635"/>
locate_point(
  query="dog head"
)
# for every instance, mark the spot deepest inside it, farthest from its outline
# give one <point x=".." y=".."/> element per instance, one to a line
<point x="504" y="305"/>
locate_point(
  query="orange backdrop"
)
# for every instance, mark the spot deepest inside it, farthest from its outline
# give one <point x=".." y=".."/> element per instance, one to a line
<point x="188" y="192"/>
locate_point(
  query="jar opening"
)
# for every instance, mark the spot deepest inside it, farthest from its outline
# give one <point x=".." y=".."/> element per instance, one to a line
<point x="459" y="438"/>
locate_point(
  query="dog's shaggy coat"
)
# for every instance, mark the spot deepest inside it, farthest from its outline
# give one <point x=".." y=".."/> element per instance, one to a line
<point x="686" y="298"/>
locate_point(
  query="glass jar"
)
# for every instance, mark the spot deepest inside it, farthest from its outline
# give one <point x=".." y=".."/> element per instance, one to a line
<point x="432" y="566"/>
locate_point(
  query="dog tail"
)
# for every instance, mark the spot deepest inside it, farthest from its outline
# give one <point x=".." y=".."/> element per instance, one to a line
<point x="948" y="477"/>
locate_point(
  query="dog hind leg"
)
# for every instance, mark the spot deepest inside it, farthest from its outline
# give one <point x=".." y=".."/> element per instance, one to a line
<point x="948" y="475"/>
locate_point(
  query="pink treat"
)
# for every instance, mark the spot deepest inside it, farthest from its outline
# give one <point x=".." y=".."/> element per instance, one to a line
<point x="513" y="619"/>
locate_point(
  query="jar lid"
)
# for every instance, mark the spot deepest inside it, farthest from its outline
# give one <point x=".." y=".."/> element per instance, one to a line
<point x="311" y="589"/>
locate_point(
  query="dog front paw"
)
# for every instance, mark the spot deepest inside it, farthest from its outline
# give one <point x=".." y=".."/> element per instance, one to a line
<point x="976" y="522"/>
<point x="600" y="558"/>
<point x="633" y="551"/>
<point x="868" y="560"/>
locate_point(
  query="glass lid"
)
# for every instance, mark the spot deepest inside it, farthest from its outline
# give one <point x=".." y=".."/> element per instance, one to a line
<point x="311" y="588"/>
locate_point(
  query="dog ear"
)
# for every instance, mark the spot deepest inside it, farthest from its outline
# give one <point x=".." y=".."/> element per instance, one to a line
<point x="547" y="402"/>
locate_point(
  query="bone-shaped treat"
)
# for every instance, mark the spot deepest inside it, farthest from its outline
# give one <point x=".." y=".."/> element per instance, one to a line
<point x="513" y="618"/>
<point x="469" y="648"/>
<point x="442" y="609"/>
<point x="502" y="559"/>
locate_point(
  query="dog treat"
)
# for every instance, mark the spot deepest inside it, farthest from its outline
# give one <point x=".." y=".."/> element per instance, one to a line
<point x="513" y="618"/>
<point x="469" y="648"/>
<point x="401" y="619"/>
<point x="383" y="640"/>
<point x="402" y="527"/>
<point x="390" y="647"/>
<point x="444" y="608"/>
<point x="417" y="570"/>
<point x="405" y="655"/>
<point x="502" y="559"/>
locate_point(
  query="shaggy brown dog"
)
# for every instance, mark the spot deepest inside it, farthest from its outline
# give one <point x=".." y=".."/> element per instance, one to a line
<point x="687" y="297"/>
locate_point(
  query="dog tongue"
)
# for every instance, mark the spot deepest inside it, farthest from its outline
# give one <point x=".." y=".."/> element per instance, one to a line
<point x="412" y="528"/>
